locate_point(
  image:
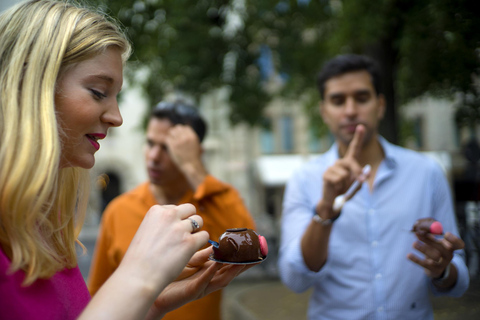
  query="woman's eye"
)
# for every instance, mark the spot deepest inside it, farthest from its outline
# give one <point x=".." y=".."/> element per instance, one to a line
<point x="98" y="95"/>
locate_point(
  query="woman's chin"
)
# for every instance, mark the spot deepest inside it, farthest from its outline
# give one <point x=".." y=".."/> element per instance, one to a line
<point x="84" y="163"/>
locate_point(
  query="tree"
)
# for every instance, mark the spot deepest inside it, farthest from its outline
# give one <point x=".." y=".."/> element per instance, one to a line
<point x="422" y="45"/>
<point x="279" y="45"/>
<point x="180" y="43"/>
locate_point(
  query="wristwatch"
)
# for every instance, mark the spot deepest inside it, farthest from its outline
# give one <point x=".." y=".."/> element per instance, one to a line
<point x="443" y="277"/>
<point x="324" y="222"/>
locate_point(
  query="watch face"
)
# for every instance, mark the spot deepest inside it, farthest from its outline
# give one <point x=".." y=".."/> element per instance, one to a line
<point x="319" y="220"/>
<point x="443" y="276"/>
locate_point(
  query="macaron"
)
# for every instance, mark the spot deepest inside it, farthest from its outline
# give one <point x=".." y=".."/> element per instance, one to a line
<point x="263" y="245"/>
<point x="436" y="228"/>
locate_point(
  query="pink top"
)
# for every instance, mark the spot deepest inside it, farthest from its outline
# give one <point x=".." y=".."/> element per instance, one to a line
<point x="63" y="296"/>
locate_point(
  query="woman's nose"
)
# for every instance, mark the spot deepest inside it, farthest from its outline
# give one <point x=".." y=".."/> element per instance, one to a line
<point x="112" y="115"/>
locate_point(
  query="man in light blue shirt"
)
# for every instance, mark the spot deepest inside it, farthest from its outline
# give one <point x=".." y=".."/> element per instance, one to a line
<point x="362" y="260"/>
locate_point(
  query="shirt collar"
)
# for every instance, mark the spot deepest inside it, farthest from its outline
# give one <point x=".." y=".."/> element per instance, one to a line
<point x="388" y="148"/>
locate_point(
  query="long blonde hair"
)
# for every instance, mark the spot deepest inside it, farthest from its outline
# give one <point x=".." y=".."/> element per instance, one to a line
<point x="42" y="207"/>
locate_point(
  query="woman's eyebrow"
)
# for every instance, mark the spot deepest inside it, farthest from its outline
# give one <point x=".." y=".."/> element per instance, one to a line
<point x="103" y="77"/>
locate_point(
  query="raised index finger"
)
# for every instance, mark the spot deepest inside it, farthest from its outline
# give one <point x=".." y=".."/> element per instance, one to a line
<point x="355" y="146"/>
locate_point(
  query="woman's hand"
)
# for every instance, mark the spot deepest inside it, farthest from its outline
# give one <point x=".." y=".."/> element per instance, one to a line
<point x="199" y="278"/>
<point x="162" y="246"/>
<point x="164" y="243"/>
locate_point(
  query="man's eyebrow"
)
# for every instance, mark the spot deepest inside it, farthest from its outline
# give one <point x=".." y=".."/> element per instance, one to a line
<point x="362" y="91"/>
<point x="336" y="95"/>
<point x="342" y="94"/>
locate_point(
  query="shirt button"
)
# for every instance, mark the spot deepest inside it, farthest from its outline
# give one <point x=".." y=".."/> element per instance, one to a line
<point x="374" y="244"/>
<point x="371" y="211"/>
<point x="378" y="276"/>
<point x="380" y="309"/>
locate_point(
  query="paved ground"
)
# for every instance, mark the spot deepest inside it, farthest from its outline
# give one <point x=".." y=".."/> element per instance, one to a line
<point x="270" y="300"/>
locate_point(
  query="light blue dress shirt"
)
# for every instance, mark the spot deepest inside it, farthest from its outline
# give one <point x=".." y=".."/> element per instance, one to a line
<point x="367" y="274"/>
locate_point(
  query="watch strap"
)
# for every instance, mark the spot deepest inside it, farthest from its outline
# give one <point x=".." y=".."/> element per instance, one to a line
<point x="324" y="222"/>
<point x="444" y="275"/>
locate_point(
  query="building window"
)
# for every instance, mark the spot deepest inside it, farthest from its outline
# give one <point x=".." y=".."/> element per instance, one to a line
<point x="267" y="141"/>
<point x="418" y="132"/>
<point x="286" y="133"/>
<point x="277" y="135"/>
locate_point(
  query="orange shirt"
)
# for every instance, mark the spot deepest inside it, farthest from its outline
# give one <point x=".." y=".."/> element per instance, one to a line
<point x="221" y="208"/>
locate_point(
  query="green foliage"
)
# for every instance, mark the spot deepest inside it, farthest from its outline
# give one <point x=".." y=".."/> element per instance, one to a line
<point x="437" y="50"/>
<point x="293" y="33"/>
<point x="468" y="111"/>
<point x="422" y="45"/>
<point x="180" y="42"/>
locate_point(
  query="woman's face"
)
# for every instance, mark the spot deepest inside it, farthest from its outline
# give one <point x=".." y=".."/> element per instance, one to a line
<point x="86" y="106"/>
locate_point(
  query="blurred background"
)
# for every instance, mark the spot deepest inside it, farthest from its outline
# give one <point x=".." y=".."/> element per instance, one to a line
<point x="250" y="66"/>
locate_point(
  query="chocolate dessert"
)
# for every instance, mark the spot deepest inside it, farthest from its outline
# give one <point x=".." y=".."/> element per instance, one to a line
<point x="240" y="245"/>
<point x="427" y="225"/>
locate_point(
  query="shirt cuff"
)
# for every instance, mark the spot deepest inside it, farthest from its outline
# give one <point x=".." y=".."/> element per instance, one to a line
<point x="298" y="269"/>
<point x="463" y="280"/>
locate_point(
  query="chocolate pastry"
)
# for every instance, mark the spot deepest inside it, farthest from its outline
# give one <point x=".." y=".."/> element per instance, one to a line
<point x="240" y="245"/>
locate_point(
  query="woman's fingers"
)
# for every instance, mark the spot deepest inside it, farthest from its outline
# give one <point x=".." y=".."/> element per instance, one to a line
<point x="224" y="276"/>
<point x="201" y="238"/>
<point x="200" y="257"/>
<point x="184" y="210"/>
<point x="194" y="223"/>
<point x="166" y="240"/>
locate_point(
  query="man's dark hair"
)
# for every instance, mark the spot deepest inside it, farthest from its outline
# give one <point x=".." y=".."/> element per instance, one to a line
<point x="349" y="63"/>
<point x="179" y="112"/>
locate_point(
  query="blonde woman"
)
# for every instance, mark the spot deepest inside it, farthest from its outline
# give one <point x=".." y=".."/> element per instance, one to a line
<point x="60" y="73"/>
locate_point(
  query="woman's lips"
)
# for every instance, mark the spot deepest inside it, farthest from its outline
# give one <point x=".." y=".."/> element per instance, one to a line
<point x="94" y="142"/>
<point x="93" y="137"/>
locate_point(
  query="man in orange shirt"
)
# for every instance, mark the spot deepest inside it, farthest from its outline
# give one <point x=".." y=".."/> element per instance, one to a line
<point x="176" y="175"/>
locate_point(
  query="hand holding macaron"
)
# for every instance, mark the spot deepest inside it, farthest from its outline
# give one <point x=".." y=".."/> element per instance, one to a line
<point x="438" y="252"/>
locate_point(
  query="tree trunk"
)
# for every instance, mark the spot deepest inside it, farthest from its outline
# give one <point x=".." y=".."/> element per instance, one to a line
<point x="385" y="56"/>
